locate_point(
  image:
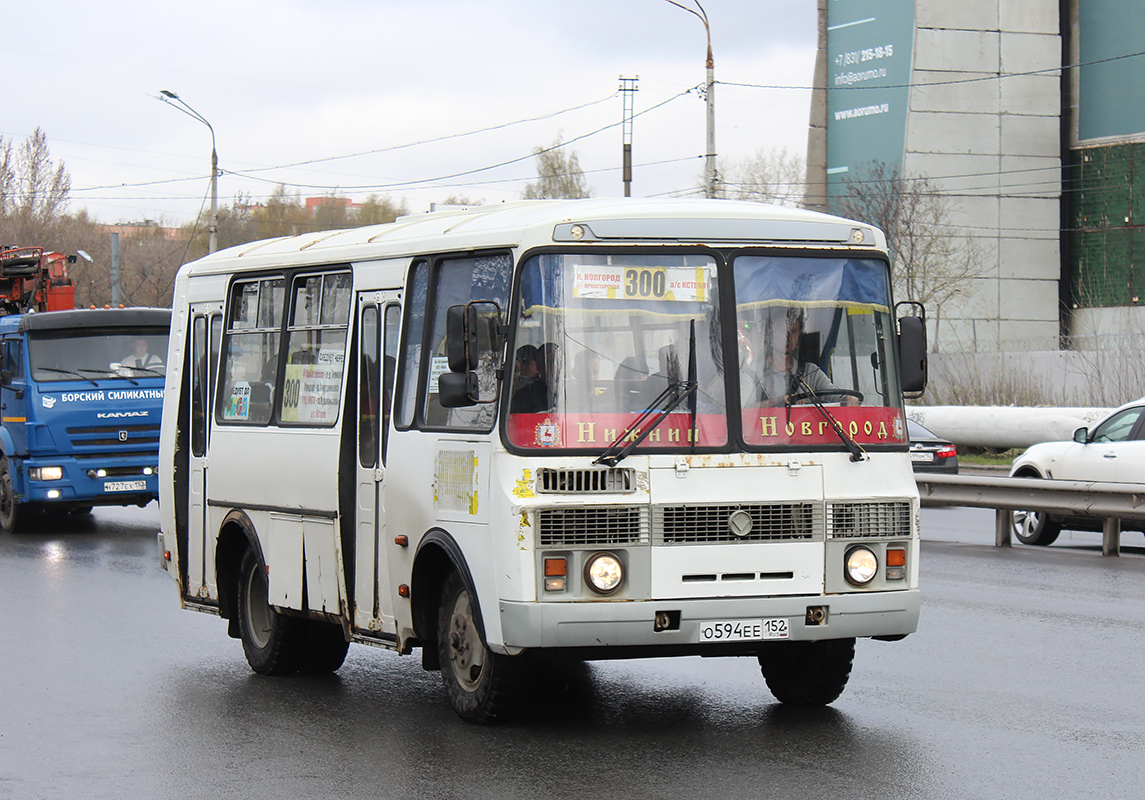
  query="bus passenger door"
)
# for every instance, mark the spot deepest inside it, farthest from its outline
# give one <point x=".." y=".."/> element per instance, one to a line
<point x="206" y="330"/>
<point x="379" y="314"/>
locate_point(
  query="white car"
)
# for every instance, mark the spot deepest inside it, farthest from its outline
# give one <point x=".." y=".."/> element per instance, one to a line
<point x="1113" y="451"/>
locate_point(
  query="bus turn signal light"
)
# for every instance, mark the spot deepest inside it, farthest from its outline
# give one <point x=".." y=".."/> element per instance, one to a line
<point x="556" y="574"/>
<point x="896" y="564"/>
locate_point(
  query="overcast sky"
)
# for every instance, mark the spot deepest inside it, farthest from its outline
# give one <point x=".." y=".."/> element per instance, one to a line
<point x="360" y="97"/>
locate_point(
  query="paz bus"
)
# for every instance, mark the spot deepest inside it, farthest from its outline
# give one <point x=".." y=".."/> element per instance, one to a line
<point x="573" y="430"/>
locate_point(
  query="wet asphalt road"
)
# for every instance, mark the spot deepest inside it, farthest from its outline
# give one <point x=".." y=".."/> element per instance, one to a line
<point x="1025" y="680"/>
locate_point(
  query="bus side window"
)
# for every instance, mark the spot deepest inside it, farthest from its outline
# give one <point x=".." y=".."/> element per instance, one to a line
<point x="416" y="299"/>
<point x="369" y="394"/>
<point x="250" y="361"/>
<point x="389" y="367"/>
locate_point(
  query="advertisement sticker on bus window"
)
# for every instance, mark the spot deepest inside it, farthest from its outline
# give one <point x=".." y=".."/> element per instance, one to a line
<point x="438" y="366"/>
<point x="238" y="405"/>
<point x="641" y="283"/>
<point x="311" y="392"/>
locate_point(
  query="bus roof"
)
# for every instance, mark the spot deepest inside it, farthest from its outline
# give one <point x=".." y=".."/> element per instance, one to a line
<point x="534" y="223"/>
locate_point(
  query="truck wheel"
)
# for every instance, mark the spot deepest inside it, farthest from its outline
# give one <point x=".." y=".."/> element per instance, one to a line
<point x="476" y="679"/>
<point x="325" y="648"/>
<point x="807" y="673"/>
<point x="1034" y="527"/>
<point x="271" y="641"/>
<point x="10" y="511"/>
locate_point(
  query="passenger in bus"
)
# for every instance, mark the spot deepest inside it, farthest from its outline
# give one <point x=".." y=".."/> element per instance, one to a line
<point x="630" y="382"/>
<point x="783" y="374"/>
<point x="530" y="394"/>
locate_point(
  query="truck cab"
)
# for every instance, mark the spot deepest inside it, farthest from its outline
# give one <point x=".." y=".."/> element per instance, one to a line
<point x="81" y="394"/>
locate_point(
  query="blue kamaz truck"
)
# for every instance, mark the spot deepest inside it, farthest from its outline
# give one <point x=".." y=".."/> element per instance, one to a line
<point x="81" y="394"/>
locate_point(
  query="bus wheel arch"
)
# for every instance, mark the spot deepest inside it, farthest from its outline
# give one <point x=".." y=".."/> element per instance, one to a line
<point x="236" y="536"/>
<point x="438" y="556"/>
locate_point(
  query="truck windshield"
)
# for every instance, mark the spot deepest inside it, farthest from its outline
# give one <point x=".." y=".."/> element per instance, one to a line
<point x="97" y="354"/>
<point x="600" y="337"/>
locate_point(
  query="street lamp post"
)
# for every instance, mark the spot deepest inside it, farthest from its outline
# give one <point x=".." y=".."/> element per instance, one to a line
<point x="710" y="179"/>
<point x="181" y="104"/>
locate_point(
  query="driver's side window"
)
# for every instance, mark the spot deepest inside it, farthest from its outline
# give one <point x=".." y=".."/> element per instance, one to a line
<point x="1117" y="428"/>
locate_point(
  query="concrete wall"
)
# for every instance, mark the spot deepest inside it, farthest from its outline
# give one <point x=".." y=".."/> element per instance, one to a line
<point x="991" y="140"/>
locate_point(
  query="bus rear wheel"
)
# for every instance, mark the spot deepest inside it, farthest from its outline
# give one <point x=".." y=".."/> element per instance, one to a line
<point x="476" y="679"/>
<point x="325" y="649"/>
<point x="272" y="641"/>
<point x="807" y="673"/>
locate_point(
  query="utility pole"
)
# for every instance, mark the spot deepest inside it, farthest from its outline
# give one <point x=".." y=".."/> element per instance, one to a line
<point x="710" y="178"/>
<point x="180" y="104"/>
<point x="627" y="91"/>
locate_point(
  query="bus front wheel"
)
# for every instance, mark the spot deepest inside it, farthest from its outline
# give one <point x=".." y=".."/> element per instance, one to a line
<point x="477" y="680"/>
<point x="807" y="673"/>
<point x="272" y="641"/>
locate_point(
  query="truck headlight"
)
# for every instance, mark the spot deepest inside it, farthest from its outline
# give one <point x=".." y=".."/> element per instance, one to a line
<point x="860" y="566"/>
<point x="46" y="473"/>
<point x="603" y="572"/>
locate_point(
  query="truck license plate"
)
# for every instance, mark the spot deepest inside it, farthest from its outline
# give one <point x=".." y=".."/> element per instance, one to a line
<point x="743" y="630"/>
<point x="125" y="486"/>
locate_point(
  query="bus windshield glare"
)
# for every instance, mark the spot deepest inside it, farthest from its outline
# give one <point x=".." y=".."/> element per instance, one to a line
<point x="600" y="338"/>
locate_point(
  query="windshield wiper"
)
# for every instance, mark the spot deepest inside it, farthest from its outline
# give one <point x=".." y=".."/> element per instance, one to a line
<point x="664" y="404"/>
<point x="74" y="373"/>
<point x="111" y="376"/>
<point x="857" y="452"/>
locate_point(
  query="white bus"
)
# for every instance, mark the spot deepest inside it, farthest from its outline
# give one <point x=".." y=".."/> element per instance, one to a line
<point x="574" y="430"/>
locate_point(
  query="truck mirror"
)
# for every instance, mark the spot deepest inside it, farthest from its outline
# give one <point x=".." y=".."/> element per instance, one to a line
<point x="6" y="377"/>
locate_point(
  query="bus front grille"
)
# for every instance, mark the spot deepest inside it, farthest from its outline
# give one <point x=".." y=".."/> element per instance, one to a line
<point x="704" y="524"/>
<point x="585" y="481"/>
<point x="592" y="526"/>
<point x="868" y="520"/>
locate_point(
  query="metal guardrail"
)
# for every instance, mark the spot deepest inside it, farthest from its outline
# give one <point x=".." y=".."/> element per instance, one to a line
<point x="1110" y="502"/>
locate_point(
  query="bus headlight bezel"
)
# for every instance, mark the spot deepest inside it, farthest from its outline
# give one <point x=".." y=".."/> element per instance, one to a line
<point x="860" y="565"/>
<point x="604" y="572"/>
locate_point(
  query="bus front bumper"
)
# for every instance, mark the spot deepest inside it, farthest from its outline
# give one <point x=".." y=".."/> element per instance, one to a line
<point x="604" y="624"/>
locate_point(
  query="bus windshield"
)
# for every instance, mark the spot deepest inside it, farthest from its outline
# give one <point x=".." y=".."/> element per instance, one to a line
<point x="601" y="340"/>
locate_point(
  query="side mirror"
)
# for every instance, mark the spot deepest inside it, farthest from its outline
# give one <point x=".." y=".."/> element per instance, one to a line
<point x="1081" y="435"/>
<point x="6" y="377"/>
<point x="912" y="353"/>
<point x="461" y="337"/>
<point x="472" y="339"/>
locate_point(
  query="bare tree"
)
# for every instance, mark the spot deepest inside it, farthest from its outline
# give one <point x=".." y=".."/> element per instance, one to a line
<point x="766" y="177"/>
<point x="932" y="261"/>
<point x="378" y="209"/>
<point x="558" y="175"/>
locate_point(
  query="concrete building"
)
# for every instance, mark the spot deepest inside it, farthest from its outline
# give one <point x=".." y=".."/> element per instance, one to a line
<point x="1023" y="116"/>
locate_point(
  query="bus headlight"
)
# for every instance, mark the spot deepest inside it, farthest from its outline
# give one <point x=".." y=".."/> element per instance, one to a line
<point x="603" y="572"/>
<point x="46" y="473"/>
<point x="860" y="566"/>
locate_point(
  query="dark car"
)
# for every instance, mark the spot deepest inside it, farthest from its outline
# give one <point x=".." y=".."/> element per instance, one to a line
<point x="929" y="453"/>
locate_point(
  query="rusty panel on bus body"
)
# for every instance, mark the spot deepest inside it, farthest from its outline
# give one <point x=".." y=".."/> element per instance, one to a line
<point x="778" y="540"/>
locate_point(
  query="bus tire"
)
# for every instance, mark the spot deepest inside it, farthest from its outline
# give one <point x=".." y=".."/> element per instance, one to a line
<point x="326" y="648"/>
<point x="477" y="680"/>
<point x="11" y="511"/>
<point x="807" y="673"/>
<point x="271" y="641"/>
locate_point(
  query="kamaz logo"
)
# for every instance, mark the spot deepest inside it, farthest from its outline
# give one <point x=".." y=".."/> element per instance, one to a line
<point x="120" y="414"/>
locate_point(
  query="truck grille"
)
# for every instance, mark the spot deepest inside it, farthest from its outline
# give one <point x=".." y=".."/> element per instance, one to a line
<point x="709" y="523"/>
<point x="868" y="520"/>
<point x="592" y="526"/>
<point x="131" y="437"/>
